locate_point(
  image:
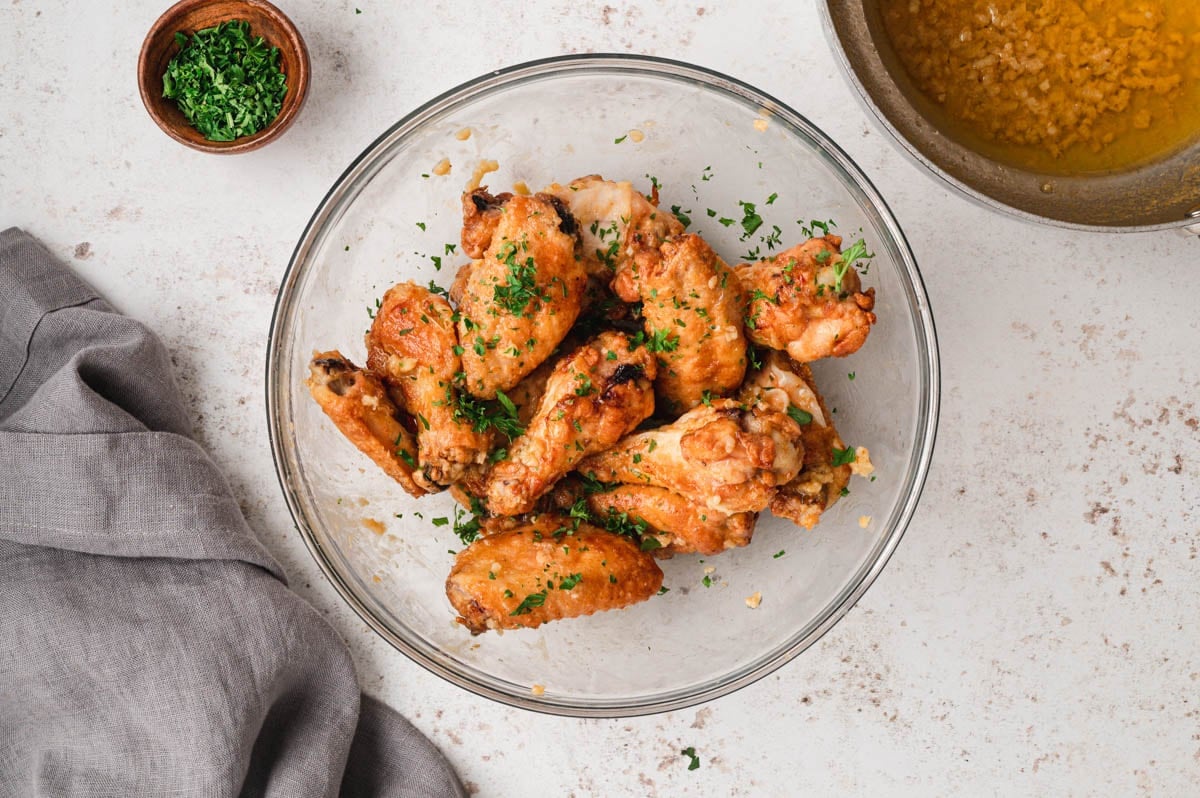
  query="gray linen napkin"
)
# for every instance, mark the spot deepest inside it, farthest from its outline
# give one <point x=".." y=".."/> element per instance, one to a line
<point x="148" y="643"/>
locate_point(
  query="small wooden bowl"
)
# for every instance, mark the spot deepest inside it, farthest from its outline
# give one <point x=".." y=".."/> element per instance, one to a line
<point x="189" y="16"/>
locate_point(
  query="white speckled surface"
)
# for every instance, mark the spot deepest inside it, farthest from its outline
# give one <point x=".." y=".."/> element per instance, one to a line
<point x="1035" y="634"/>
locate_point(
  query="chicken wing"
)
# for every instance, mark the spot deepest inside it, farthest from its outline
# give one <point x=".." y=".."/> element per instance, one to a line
<point x="782" y="383"/>
<point x="594" y="396"/>
<point x="358" y="404"/>
<point x="807" y="301"/>
<point x="412" y="345"/>
<point x="520" y="298"/>
<point x="678" y="524"/>
<point x="547" y="569"/>
<point x="616" y="223"/>
<point x="692" y="309"/>
<point x="720" y="456"/>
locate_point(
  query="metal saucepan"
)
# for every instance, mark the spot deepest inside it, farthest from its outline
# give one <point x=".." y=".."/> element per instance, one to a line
<point x="1160" y="195"/>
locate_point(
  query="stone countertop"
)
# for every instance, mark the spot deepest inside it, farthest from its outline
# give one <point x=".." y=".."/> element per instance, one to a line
<point x="1036" y="632"/>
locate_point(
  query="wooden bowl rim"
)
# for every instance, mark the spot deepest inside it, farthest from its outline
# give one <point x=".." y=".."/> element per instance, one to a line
<point x="293" y="100"/>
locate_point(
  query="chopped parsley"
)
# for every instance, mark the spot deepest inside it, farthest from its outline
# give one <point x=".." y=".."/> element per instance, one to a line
<point x="520" y="287"/>
<point x="500" y="415"/>
<point x="801" y="417"/>
<point x="778" y="554"/>
<point x="569" y="582"/>
<point x="845" y="456"/>
<point x="751" y="221"/>
<point x="227" y="83"/>
<point x="530" y="601"/>
<point x="690" y="752"/>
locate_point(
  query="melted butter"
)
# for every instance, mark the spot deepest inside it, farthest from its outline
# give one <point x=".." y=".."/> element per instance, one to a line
<point x="1110" y="108"/>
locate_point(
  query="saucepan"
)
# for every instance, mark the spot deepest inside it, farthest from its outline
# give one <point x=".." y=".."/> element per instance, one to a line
<point x="1162" y="194"/>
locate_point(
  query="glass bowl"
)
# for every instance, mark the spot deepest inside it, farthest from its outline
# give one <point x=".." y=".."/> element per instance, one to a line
<point x="710" y="142"/>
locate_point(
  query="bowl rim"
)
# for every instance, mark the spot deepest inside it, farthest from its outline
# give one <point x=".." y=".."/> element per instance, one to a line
<point x="926" y="432"/>
<point x="940" y="176"/>
<point x="287" y="113"/>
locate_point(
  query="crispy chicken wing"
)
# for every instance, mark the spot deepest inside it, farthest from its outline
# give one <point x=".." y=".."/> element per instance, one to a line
<point x="411" y="345"/>
<point x="781" y="383"/>
<point x="616" y="223"/>
<point x="520" y="298"/>
<point x="720" y="456"/>
<point x="796" y="303"/>
<point x="678" y="524"/>
<point x="594" y="396"/>
<point x="358" y="404"/>
<point x="547" y="569"/>
<point x="692" y="307"/>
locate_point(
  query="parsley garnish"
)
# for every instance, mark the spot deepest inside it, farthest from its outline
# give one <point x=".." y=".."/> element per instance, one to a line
<point x="521" y="286"/>
<point x="569" y="582"/>
<point x="751" y="221"/>
<point x="845" y="456"/>
<point x="778" y="554"/>
<point x="856" y="252"/>
<point x="500" y="415"/>
<point x="531" y="601"/>
<point x="801" y="417"/>
<point x="226" y="82"/>
<point x="690" y="752"/>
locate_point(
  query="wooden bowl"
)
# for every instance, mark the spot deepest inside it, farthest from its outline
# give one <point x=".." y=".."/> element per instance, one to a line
<point x="189" y="16"/>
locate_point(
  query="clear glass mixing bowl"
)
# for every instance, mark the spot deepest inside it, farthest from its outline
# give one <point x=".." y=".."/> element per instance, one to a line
<point x="710" y="141"/>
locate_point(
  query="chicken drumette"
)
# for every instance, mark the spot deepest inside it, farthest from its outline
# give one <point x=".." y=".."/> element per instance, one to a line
<point x="594" y="396"/>
<point x="781" y="384"/>
<point x="807" y="301"/>
<point x="518" y="300"/>
<point x="412" y="345"/>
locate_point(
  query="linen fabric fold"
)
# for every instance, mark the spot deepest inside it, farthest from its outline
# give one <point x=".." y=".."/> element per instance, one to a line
<point x="150" y="643"/>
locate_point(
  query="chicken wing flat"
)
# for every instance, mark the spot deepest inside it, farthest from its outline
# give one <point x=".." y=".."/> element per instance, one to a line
<point x="719" y="456"/>
<point x="593" y="397"/>
<point x="411" y="345"/>
<point x="678" y="524"/>
<point x="520" y="298"/>
<point x="359" y="405"/>
<point x="692" y="309"/>
<point x="807" y="301"/>
<point x="781" y="383"/>
<point x="616" y="223"/>
<point x="547" y="569"/>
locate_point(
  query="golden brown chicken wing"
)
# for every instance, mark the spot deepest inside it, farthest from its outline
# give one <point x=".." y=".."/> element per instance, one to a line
<point x="358" y="404"/>
<point x="594" y="396"/>
<point x="412" y="345"/>
<point x="678" y="525"/>
<point x="807" y="301"/>
<point x="692" y="308"/>
<point x="546" y="569"/>
<point x="520" y="298"/>
<point x="782" y="384"/>
<point x="720" y="456"/>
<point x="616" y="223"/>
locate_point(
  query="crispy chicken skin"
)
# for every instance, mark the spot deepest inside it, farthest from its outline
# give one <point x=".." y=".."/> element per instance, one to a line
<point x="690" y="298"/>
<point x="679" y="524"/>
<point x="481" y="214"/>
<point x="793" y="304"/>
<point x="358" y="404"/>
<point x="411" y="345"/>
<point x="616" y="223"/>
<point x="719" y="456"/>
<point x="547" y="569"/>
<point x="594" y="396"/>
<point x="520" y="298"/>
<point x="782" y="382"/>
